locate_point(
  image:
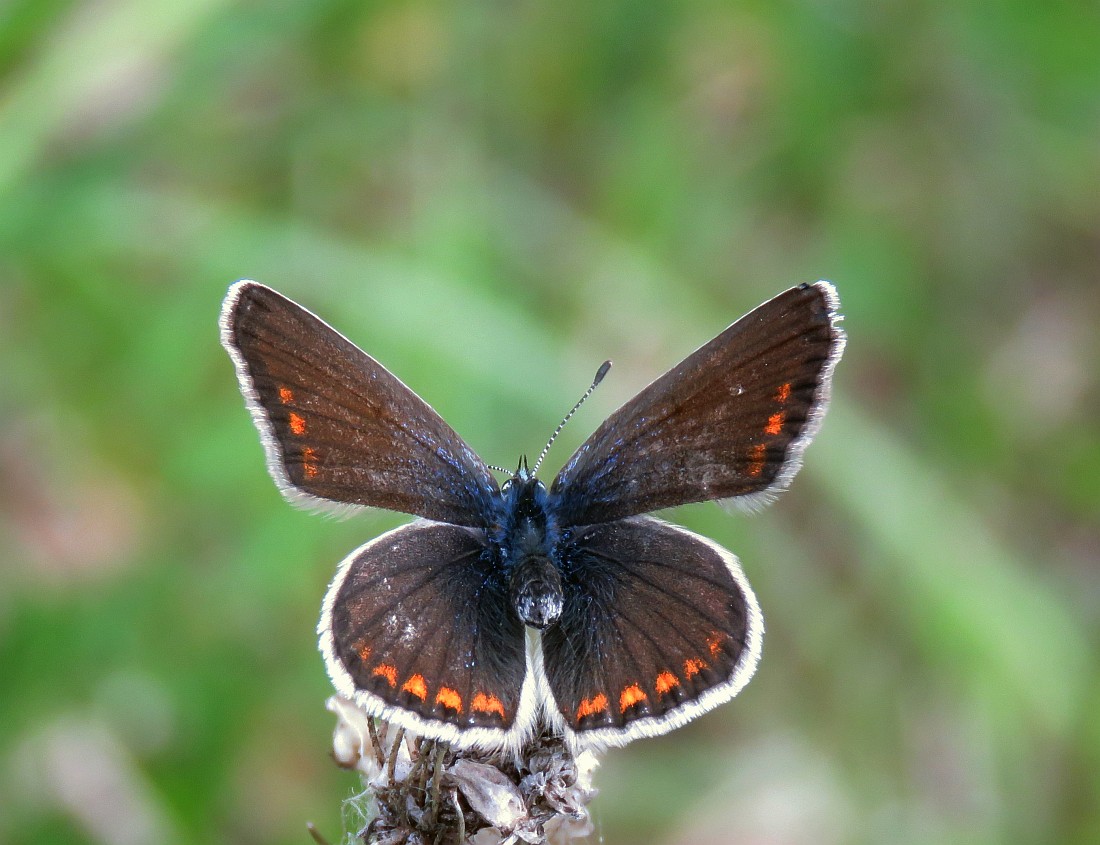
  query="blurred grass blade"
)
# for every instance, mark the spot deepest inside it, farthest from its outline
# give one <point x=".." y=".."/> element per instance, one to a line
<point x="95" y="67"/>
<point x="989" y="612"/>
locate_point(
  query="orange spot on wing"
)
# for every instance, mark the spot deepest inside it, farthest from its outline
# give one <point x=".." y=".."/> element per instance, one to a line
<point x="590" y="706"/>
<point x="387" y="671"/>
<point x="756" y="456"/>
<point x="714" y="644"/>
<point x="693" y="666"/>
<point x="297" y="424"/>
<point x="416" y="686"/>
<point x="775" y="423"/>
<point x="363" y="650"/>
<point x="483" y="703"/>
<point x="309" y="462"/>
<point x="666" y="681"/>
<point x="783" y="393"/>
<point x="286" y="395"/>
<point x="630" y="696"/>
<point x="449" y="698"/>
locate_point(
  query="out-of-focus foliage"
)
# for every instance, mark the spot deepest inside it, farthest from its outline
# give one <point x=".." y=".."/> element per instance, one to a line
<point x="492" y="198"/>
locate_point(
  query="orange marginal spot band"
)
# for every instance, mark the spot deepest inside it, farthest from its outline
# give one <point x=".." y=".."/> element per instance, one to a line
<point x="387" y="671"/>
<point x="775" y="423"/>
<point x="297" y="424"/>
<point x="483" y="703"/>
<point x="783" y="393"/>
<point x="450" y="699"/>
<point x="756" y="455"/>
<point x="416" y="686"/>
<point x="666" y="681"/>
<point x="693" y="666"/>
<point x="309" y="462"/>
<point x="714" y="644"/>
<point x="630" y="696"/>
<point x="590" y="706"/>
<point x="286" y="395"/>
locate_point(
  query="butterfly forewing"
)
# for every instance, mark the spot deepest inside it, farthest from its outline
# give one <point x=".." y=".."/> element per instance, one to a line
<point x="417" y="628"/>
<point x="658" y="625"/>
<point x="337" y="425"/>
<point x="730" y="421"/>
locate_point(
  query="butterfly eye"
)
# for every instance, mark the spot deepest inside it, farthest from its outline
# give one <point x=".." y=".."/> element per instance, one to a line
<point x="506" y="486"/>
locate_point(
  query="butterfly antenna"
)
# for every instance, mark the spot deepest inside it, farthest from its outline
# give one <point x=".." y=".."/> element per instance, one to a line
<point x="499" y="469"/>
<point x="600" y="373"/>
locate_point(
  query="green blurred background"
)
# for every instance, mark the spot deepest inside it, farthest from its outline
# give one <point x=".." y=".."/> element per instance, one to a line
<point x="492" y="198"/>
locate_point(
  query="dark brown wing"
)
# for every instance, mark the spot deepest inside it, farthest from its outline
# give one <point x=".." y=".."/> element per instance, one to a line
<point x="730" y="421"/>
<point x="658" y="626"/>
<point x="417" y="628"/>
<point x="337" y="426"/>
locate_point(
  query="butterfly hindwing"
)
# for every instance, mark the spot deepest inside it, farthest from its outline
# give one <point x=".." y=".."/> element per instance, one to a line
<point x="337" y="426"/>
<point x="658" y="626"/>
<point x="417" y="628"/>
<point x="729" y="422"/>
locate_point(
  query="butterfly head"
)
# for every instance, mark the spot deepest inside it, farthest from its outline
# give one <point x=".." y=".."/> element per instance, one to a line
<point x="526" y="503"/>
<point x="523" y="475"/>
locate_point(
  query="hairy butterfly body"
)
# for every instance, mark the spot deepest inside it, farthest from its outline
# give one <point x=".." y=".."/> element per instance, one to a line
<point x="508" y="609"/>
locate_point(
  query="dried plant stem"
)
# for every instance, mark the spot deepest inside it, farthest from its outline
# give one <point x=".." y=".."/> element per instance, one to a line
<point x="437" y="774"/>
<point x="315" y="834"/>
<point x="391" y="764"/>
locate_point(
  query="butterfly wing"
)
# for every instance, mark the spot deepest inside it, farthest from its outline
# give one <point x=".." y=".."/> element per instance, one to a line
<point x="417" y="629"/>
<point x="337" y="426"/>
<point x="731" y="421"/>
<point x="658" y="626"/>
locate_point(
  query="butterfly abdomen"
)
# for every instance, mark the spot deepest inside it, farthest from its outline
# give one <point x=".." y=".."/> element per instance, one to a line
<point x="536" y="591"/>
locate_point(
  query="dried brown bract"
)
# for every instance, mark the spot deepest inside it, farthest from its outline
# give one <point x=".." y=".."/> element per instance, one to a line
<point x="423" y="792"/>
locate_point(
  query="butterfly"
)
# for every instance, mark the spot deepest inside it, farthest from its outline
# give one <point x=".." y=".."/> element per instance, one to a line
<point x="509" y="609"/>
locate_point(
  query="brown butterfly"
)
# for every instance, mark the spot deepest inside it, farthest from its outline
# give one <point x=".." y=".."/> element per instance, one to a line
<point x="507" y="609"/>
